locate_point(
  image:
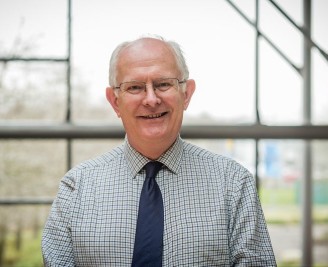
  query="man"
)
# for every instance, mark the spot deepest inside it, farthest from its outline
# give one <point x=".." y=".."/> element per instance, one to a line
<point x="207" y="212"/>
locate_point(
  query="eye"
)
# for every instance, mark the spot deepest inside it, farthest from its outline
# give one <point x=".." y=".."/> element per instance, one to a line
<point x="134" y="88"/>
<point x="163" y="85"/>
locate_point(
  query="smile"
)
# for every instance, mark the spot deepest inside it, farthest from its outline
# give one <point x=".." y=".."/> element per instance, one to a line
<point x="154" y="116"/>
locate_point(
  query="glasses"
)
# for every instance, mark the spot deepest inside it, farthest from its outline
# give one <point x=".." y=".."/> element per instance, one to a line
<point x="160" y="85"/>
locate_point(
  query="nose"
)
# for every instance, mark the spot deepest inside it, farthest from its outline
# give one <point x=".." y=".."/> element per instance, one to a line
<point x="151" y="98"/>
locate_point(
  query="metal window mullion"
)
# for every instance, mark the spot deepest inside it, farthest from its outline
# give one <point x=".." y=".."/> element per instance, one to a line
<point x="267" y="39"/>
<point x="302" y="30"/>
<point x="68" y="83"/>
<point x="307" y="243"/>
<point x="257" y="110"/>
<point x="33" y="59"/>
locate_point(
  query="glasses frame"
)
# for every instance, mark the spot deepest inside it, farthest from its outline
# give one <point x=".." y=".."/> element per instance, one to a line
<point x="145" y="85"/>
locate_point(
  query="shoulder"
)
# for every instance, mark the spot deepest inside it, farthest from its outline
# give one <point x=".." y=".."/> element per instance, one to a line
<point x="95" y="167"/>
<point x="198" y="153"/>
<point x="101" y="161"/>
<point x="218" y="164"/>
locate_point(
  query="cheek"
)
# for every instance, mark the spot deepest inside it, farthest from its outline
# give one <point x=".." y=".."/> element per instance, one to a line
<point x="180" y="103"/>
<point x="126" y="107"/>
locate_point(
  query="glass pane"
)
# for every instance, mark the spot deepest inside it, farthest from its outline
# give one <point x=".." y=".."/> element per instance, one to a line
<point x="280" y="172"/>
<point x="281" y="175"/>
<point x="280" y="90"/>
<point x="280" y="85"/>
<point x="31" y="168"/>
<point x="320" y="23"/>
<point x="32" y="91"/>
<point x="33" y="28"/>
<point x="319" y="88"/>
<point x="276" y="27"/>
<point x="320" y="202"/>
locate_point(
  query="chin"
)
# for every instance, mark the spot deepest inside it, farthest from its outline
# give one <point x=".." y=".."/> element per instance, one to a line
<point x="154" y="135"/>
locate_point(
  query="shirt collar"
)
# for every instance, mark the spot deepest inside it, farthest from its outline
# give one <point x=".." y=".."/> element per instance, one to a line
<point x="171" y="158"/>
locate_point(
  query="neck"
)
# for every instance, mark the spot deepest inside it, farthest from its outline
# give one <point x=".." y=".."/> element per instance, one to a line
<point x="152" y="149"/>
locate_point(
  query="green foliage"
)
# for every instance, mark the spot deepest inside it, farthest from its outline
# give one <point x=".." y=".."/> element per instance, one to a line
<point x="29" y="253"/>
<point x="278" y="196"/>
<point x="288" y="264"/>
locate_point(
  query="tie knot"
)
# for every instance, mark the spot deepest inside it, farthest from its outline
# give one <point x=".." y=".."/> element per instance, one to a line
<point x="152" y="168"/>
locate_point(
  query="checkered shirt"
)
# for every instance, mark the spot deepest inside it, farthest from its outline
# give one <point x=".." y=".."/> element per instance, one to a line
<point x="212" y="212"/>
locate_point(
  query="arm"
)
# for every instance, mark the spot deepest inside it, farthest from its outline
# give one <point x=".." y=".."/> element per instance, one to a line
<point x="250" y="244"/>
<point x="57" y="248"/>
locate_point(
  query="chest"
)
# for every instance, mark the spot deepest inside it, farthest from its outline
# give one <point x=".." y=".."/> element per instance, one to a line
<point x="103" y="221"/>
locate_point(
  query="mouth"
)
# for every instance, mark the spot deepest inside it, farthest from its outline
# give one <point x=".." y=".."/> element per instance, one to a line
<point x="154" y="116"/>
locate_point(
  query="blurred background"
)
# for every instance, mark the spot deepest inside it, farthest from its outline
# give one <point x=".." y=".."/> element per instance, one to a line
<point x="261" y="70"/>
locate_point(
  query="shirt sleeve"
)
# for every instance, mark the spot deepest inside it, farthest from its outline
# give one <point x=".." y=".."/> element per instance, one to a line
<point x="57" y="248"/>
<point x="250" y="243"/>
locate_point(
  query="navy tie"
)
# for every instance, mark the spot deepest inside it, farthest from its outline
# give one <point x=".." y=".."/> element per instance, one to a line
<point x="148" y="246"/>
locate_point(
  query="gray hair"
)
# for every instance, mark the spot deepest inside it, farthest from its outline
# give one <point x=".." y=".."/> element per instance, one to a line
<point x="175" y="48"/>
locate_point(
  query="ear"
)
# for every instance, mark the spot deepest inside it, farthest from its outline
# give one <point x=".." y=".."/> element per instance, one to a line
<point x="190" y="89"/>
<point x="113" y="100"/>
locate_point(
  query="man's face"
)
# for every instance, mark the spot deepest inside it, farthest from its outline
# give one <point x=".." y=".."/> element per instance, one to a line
<point x="150" y="116"/>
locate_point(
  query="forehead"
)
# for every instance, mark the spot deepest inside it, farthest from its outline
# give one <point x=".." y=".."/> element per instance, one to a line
<point x="145" y="53"/>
